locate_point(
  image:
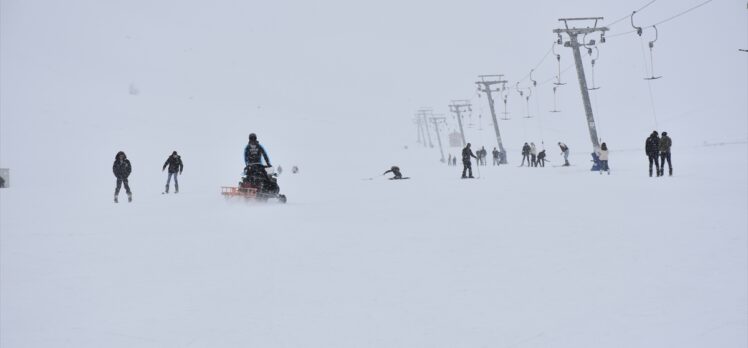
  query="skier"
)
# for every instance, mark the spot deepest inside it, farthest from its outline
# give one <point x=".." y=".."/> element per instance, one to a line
<point x="525" y="155"/>
<point x="533" y="155"/>
<point x="665" y="144"/>
<point x="541" y="158"/>
<point x="254" y="153"/>
<point x="565" y="152"/>
<point x="602" y="154"/>
<point x="466" y="165"/>
<point x="174" y="162"/>
<point x="122" y="169"/>
<point x="652" y="149"/>
<point x="396" y="171"/>
<point x="495" y="154"/>
<point x="483" y="155"/>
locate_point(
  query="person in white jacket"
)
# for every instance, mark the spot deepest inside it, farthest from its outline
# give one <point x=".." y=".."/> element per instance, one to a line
<point x="602" y="154"/>
<point x="533" y="155"/>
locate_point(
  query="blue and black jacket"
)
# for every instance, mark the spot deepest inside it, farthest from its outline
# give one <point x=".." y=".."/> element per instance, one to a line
<point x="254" y="153"/>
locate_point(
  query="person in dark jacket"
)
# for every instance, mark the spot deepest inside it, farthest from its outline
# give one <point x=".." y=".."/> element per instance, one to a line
<point x="665" y="144"/>
<point x="254" y="153"/>
<point x="495" y="154"/>
<point x="174" y="162"/>
<point x="541" y="158"/>
<point x="122" y="169"/>
<point x="652" y="149"/>
<point x="466" y="165"/>
<point x="396" y="171"/>
<point x="525" y="155"/>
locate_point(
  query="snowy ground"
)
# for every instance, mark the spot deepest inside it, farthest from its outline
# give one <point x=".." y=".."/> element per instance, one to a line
<point x="549" y="257"/>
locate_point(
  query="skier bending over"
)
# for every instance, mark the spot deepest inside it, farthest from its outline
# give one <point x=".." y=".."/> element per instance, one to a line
<point x="174" y="162"/>
<point x="541" y="158"/>
<point x="122" y="169"/>
<point x="396" y="171"/>
<point x="466" y="166"/>
<point x="565" y="153"/>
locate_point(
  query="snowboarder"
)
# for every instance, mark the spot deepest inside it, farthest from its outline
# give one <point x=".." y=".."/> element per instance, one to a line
<point x="652" y="149"/>
<point x="174" y="162"/>
<point x="495" y="154"/>
<point x="602" y="154"/>
<point x="466" y="165"/>
<point x="665" y="144"/>
<point x="525" y="155"/>
<point x="396" y="171"/>
<point x="541" y="158"/>
<point x="122" y="169"/>
<point x="533" y="155"/>
<point x="565" y="152"/>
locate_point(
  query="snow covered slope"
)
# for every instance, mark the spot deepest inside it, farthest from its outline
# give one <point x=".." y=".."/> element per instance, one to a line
<point x="521" y="257"/>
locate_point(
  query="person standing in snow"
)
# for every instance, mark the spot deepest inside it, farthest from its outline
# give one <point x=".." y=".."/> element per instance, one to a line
<point x="122" y="169"/>
<point x="174" y="162"/>
<point x="495" y="154"/>
<point x="396" y="171"/>
<point x="525" y="155"/>
<point x="602" y="155"/>
<point x="454" y="161"/>
<point x="533" y="155"/>
<point x="652" y="149"/>
<point x="665" y="144"/>
<point x="565" y="152"/>
<point x="466" y="165"/>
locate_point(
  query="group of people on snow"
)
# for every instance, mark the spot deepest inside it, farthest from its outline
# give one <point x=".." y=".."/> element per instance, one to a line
<point x="657" y="150"/>
<point x="122" y="169"/>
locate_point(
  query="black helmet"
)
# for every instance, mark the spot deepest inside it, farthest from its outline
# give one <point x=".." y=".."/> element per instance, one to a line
<point x="252" y="137"/>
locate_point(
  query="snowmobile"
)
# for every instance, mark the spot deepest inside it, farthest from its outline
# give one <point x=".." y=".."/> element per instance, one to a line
<point x="256" y="184"/>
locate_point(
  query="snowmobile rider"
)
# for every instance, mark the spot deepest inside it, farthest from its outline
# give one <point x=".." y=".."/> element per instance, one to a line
<point x="254" y="153"/>
<point x="174" y="162"/>
<point x="396" y="171"/>
<point x="466" y="166"/>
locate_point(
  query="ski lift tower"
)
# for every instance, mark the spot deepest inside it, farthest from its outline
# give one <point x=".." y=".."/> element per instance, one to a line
<point x="436" y="119"/>
<point x="574" y="44"/>
<point x="484" y="85"/>
<point x="424" y="113"/>
<point x="458" y="107"/>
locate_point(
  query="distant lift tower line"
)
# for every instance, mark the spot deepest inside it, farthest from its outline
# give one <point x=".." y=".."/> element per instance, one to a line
<point x="425" y="113"/>
<point x="574" y="44"/>
<point x="485" y="85"/>
<point x="436" y="121"/>
<point x="458" y="107"/>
